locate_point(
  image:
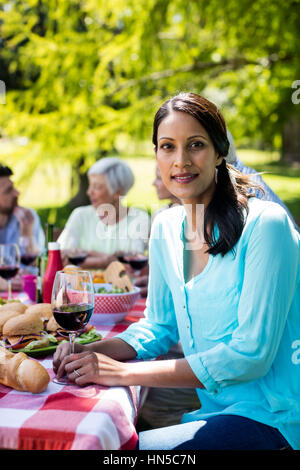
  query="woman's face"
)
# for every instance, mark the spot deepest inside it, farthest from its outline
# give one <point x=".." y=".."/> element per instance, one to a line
<point x="186" y="158"/>
<point x="162" y="192"/>
<point x="98" y="191"/>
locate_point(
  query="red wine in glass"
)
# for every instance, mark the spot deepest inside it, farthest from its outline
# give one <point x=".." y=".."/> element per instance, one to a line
<point x="28" y="259"/>
<point x="8" y="272"/>
<point x="136" y="262"/>
<point x="73" y="317"/>
<point x="77" y="258"/>
<point x="121" y="258"/>
<point x="72" y="303"/>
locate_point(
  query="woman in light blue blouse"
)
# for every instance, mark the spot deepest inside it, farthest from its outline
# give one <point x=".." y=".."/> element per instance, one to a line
<point x="224" y="279"/>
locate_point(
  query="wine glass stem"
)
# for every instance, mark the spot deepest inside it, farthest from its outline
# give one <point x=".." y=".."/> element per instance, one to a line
<point x="72" y="342"/>
<point x="9" y="289"/>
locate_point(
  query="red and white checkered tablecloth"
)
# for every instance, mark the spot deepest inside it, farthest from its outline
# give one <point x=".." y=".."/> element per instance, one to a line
<point x="67" y="417"/>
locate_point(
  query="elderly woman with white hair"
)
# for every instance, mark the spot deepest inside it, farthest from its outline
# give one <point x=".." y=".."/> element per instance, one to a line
<point x="106" y="226"/>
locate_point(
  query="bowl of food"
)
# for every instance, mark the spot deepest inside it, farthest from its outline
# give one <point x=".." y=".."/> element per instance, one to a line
<point x="112" y="303"/>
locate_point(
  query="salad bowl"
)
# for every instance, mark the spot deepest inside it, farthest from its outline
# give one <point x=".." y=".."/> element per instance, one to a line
<point x="111" y="305"/>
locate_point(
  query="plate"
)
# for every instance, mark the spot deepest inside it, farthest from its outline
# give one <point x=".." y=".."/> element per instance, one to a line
<point x="49" y="349"/>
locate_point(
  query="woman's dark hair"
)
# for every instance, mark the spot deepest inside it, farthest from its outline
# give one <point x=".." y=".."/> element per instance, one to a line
<point x="233" y="189"/>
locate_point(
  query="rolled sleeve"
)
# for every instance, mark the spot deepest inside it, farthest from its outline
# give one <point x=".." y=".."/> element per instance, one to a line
<point x="201" y="372"/>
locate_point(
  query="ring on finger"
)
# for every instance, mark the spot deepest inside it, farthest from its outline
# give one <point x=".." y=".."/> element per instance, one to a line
<point x="76" y="372"/>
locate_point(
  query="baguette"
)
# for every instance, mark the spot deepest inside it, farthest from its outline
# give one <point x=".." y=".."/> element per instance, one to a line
<point x="21" y="373"/>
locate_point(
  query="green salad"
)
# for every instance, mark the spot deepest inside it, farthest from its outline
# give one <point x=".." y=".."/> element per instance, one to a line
<point x="113" y="290"/>
<point x="50" y="340"/>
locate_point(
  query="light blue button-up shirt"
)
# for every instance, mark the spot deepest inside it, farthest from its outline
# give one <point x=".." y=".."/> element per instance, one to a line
<point x="238" y="320"/>
<point x="11" y="232"/>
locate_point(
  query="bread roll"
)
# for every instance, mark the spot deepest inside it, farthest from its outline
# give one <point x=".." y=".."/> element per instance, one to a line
<point x="13" y="306"/>
<point x="23" y="325"/>
<point x="43" y="310"/>
<point x="21" y="373"/>
<point x="52" y="325"/>
<point x="5" y="316"/>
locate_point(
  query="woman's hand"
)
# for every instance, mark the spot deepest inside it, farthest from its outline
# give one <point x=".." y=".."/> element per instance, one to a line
<point x="61" y="352"/>
<point x="142" y="283"/>
<point x="112" y="349"/>
<point x="94" y="368"/>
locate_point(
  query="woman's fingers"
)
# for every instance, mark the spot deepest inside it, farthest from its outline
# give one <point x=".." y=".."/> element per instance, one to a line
<point x="76" y="361"/>
<point x="61" y="351"/>
<point x="81" y="376"/>
<point x="89" y="367"/>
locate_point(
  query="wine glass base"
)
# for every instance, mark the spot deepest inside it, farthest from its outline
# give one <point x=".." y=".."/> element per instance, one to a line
<point x="61" y="380"/>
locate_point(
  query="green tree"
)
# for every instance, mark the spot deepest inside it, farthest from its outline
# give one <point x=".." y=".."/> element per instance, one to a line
<point x="84" y="78"/>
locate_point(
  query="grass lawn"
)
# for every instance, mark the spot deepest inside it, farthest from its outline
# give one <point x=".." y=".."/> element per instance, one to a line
<point x="283" y="179"/>
<point x="49" y="187"/>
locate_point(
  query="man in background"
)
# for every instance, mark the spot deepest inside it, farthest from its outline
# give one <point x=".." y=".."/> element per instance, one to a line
<point x="16" y="221"/>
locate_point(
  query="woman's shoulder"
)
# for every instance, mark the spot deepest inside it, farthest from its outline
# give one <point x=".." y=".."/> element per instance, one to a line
<point x="168" y="221"/>
<point x="82" y="210"/>
<point x="269" y="216"/>
<point x="82" y="213"/>
<point x="268" y="210"/>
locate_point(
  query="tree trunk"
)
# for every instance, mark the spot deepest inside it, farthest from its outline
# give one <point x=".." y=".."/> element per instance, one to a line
<point x="80" y="179"/>
<point x="291" y="140"/>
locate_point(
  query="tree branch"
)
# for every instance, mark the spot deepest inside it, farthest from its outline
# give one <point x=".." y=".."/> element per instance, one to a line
<point x="225" y="64"/>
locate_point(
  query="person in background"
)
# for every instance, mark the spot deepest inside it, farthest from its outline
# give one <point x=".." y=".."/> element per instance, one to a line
<point x="163" y="193"/>
<point x="106" y="228"/>
<point x="264" y="191"/>
<point x="141" y="280"/>
<point x="16" y="221"/>
<point x="226" y="286"/>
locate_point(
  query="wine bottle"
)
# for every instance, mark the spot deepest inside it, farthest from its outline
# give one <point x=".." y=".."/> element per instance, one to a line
<point x="49" y="239"/>
<point x="39" y="285"/>
<point x="42" y="261"/>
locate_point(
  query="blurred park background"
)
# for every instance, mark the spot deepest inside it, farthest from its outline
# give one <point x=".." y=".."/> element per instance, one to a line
<point x="82" y="79"/>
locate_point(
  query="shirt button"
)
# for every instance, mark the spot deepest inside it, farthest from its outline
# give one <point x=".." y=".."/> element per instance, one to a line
<point x="191" y="343"/>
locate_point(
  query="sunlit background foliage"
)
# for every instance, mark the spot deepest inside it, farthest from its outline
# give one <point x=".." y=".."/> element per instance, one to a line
<point x="84" y="79"/>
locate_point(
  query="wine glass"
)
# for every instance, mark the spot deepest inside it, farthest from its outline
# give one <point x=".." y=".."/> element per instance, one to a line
<point x="9" y="263"/>
<point x="76" y="256"/>
<point x="137" y="257"/>
<point x="72" y="304"/>
<point x="29" y="250"/>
